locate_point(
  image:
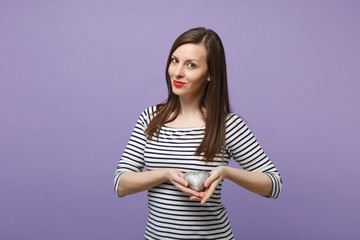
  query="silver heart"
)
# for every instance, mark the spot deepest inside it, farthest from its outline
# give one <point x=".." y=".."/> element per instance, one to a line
<point x="196" y="179"/>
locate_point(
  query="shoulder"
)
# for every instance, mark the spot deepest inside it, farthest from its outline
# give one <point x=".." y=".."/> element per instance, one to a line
<point x="235" y="123"/>
<point x="148" y="114"/>
<point x="233" y="118"/>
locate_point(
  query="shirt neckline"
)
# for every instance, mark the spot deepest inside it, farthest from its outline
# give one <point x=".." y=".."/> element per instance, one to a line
<point x="184" y="129"/>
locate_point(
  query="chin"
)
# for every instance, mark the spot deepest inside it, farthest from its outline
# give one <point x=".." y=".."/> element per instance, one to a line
<point x="176" y="91"/>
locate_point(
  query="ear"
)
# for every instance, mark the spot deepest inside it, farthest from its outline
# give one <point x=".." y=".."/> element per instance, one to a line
<point x="208" y="78"/>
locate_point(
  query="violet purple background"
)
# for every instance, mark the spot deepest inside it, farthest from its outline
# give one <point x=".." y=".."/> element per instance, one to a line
<point x="75" y="75"/>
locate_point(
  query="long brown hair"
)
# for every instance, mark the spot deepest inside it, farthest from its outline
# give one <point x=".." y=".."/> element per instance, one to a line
<point x="215" y="99"/>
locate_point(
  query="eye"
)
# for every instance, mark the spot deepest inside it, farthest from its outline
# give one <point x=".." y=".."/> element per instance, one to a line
<point x="191" y="65"/>
<point x="174" y="60"/>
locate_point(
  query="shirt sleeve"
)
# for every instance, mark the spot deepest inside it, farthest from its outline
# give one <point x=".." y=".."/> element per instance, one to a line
<point x="243" y="147"/>
<point x="132" y="158"/>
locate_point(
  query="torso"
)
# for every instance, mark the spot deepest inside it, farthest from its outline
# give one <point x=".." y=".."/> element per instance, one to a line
<point x="172" y="215"/>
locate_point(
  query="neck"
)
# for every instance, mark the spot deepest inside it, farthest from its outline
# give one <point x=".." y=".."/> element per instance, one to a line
<point x="189" y="106"/>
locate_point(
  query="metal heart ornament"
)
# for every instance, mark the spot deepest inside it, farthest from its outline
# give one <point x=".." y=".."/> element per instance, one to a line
<point x="196" y="179"/>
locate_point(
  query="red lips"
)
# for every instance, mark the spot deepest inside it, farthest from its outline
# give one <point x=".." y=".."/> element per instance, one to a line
<point x="178" y="83"/>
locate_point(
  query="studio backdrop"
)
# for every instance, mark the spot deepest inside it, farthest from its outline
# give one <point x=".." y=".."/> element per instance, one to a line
<point x="75" y="75"/>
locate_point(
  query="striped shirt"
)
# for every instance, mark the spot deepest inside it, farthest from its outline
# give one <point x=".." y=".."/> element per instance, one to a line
<point x="172" y="215"/>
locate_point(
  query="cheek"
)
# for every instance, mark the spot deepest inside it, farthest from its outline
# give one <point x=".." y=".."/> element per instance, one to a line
<point x="195" y="78"/>
<point x="170" y="70"/>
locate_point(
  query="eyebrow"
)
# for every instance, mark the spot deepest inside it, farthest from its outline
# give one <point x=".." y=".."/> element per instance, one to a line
<point x="187" y="60"/>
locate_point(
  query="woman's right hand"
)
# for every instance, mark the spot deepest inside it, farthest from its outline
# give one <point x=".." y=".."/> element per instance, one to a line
<point x="177" y="179"/>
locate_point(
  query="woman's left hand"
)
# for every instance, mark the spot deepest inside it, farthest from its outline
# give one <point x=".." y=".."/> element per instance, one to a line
<point x="216" y="176"/>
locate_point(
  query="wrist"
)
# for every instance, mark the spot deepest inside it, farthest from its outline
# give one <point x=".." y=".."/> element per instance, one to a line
<point x="162" y="175"/>
<point x="168" y="175"/>
<point x="226" y="172"/>
<point x="165" y="175"/>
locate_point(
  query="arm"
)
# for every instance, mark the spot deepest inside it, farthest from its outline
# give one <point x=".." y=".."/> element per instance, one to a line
<point x="133" y="182"/>
<point x="129" y="177"/>
<point x="259" y="170"/>
<point x="257" y="182"/>
<point x="259" y="175"/>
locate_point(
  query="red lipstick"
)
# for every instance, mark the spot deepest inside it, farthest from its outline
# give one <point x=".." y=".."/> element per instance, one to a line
<point x="178" y="83"/>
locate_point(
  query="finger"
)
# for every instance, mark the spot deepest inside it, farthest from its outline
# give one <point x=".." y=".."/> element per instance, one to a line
<point x="195" y="198"/>
<point x="210" y="179"/>
<point x="199" y="197"/>
<point x="180" y="180"/>
<point x="187" y="190"/>
<point x="209" y="192"/>
<point x="192" y="192"/>
<point x="202" y="194"/>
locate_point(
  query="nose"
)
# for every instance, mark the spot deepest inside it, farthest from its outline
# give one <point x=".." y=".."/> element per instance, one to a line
<point x="178" y="71"/>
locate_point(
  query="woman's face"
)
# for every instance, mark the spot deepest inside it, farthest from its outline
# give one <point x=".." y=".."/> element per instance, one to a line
<point x="188" y="70"/>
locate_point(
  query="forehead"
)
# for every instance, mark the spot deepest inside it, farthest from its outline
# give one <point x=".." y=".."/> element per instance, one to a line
<point x="191" y="51"/>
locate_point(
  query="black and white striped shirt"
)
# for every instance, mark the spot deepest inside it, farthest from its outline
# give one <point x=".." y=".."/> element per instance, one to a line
<point x="172" y="215"/>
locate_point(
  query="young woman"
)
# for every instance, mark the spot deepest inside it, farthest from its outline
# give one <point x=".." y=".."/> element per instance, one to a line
<point x="194" y="130"/>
